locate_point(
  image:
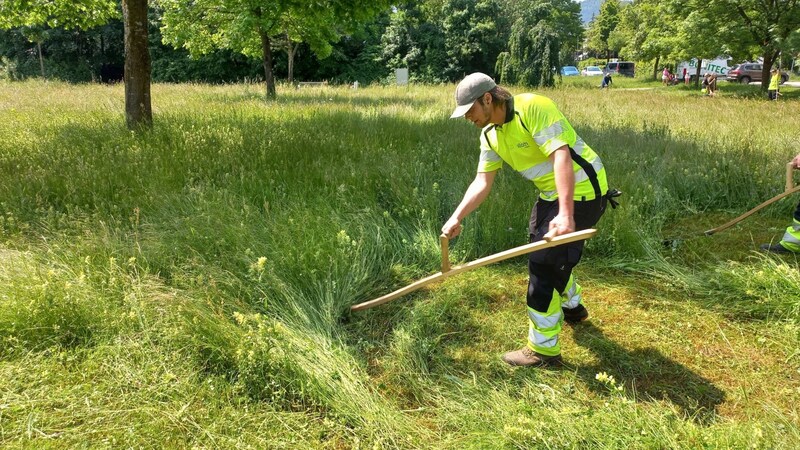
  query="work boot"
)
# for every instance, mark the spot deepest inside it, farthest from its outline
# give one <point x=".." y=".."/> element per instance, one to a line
<point x="575" y="315"/>
<point x="525" y="357"/>
<point x="776" y="248"/>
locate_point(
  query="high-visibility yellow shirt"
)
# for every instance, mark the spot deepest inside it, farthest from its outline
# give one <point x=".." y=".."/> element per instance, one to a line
<point x="773" y="82"/>
<point x="534" y="128"/>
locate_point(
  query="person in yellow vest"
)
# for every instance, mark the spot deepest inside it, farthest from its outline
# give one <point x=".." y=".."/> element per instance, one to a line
<point x="774" y="81"/>
<point x="790" y="243"/>
<point x="532" y="136"/>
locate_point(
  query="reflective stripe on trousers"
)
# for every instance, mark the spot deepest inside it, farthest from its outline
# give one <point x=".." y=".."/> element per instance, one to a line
<point x="791" y="239"/>
<point x="571" y="297"/>
<point x="543" y="329"/>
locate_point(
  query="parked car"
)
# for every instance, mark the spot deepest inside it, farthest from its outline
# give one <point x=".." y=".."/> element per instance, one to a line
<point x="624" y="68"/>
<point x="747" y="72"/>
<point x="590" y="71"/>
<point x="569" y="71"/>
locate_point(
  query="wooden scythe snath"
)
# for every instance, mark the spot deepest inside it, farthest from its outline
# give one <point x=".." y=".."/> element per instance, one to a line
<point x="790" y="189"/>
<point x="449" y="271"/>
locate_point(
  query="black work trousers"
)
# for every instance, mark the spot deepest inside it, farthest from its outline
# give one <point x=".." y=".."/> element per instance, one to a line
<point x="551" y="268"/>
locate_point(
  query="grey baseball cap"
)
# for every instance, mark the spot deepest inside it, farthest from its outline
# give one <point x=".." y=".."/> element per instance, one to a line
<point x="470" y="89"/>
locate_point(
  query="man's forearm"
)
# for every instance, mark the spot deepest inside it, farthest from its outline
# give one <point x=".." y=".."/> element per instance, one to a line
<point x="565" y="182"/>
<point x="475" y="195"/>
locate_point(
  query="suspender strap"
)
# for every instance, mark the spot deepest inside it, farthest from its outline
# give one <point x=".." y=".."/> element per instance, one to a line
<point x="590" y="172"/>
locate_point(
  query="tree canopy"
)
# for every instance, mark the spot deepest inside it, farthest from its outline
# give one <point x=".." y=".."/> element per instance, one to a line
<point x="57" y="14"/>
<point x="601" y="27"/>
<point x="763" y="26"/>
<point x="249" y="27"/>
<point x="533" y="49"/>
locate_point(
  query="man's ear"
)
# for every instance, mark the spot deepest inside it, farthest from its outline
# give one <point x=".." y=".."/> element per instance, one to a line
<point x="487" y="98"/>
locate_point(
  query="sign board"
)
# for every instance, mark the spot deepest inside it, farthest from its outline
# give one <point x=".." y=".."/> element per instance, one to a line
<point x="717" y="67"/>
<point x="402" y="76"/>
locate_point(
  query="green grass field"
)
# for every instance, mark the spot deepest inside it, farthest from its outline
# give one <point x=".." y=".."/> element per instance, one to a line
<point x="190" y="286"/>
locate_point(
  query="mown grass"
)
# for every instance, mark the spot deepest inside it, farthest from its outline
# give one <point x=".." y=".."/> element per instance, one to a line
<point x="190" y="286"/>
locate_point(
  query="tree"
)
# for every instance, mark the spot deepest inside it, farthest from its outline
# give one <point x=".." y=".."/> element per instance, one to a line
<point x="601" y="27"/>
<point x="90" y="13"/>
<point x="692" y="39"/>
<point x="82" y="14"/>
<point x="250" y="26"/>
<point x="34" y="15"/>
<point x="399" y="47"/>
<point x="766" y="25"/>
<point x="533" y="49"/>
<point x="792" y="52"/>
<point x="645" y="32"/>
<point x="414" y="38"/>
<point x="356" y="57"/>
<point x="471" y="35"/>
<point x="318" y="34"/>
<point x="564" y="17"/>
<point x="37" y="35"/>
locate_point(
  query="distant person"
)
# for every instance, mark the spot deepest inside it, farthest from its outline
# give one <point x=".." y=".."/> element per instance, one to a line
<point x="606" y="82"/>
<point x="706" y="82"/>
<point x="530" y="134"/>
<point x="774" y="82"/>
<point x="685" y="76"/>
<point x="665" y="76"/>
<point x="790" y="243"/>
<point x="712" y="85"/>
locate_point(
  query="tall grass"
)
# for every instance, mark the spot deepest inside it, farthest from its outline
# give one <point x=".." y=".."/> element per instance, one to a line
<point x="191" y="285"/>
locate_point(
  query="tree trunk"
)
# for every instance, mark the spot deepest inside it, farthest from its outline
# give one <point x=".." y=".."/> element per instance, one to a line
<point x="291" y="51"/>
<point x="138" y="111"/>
<point x="267" y="50"/>
<point x="41" y="58"/>
<point x="769" y="60"/>
<point x="697" y="72"/>
<point x="655" y="68"/>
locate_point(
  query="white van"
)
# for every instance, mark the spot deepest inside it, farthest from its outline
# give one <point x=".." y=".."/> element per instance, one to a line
<point x="718" y="66"/>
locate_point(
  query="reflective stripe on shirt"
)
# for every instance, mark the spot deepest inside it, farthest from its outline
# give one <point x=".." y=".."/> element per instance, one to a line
<point x="548" y="133"/>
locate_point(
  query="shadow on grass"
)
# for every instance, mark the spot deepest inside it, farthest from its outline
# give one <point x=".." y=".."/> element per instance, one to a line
<point x="648" y="375"/>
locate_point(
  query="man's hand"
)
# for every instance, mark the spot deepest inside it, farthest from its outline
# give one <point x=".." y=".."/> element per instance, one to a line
<point x="560" y="224"/>
<point x="452" y="227"/>
<point x="796" y="161"/>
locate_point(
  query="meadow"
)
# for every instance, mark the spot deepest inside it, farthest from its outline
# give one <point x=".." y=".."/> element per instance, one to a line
<point x="190" y="286"/>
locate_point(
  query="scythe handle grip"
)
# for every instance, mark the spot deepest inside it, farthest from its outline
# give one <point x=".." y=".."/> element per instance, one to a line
<point x="445" y="243"/>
